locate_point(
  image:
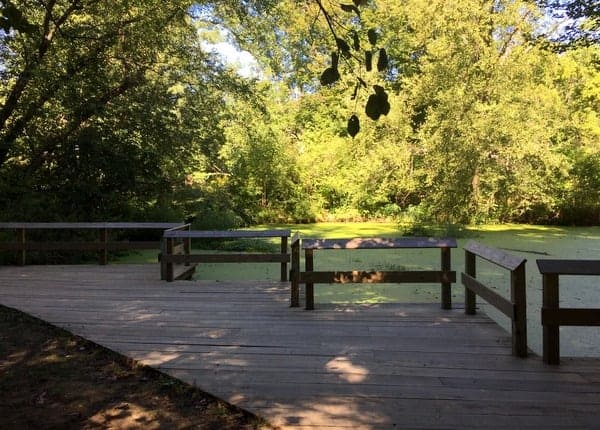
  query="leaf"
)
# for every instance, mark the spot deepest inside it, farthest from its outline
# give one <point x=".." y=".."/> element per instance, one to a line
<point x="382" y="61"/>
<point x="372" y="35"/>
<point x="372" y="108"/>
<point x="353" y="126"/>
<point x="355" y="41"/>
<point x="350" y="8"/>
<point x="377" y="104"/>
<point x="334" y="60"/>
<point x="330" y="76"/>
<point x="343" y="46"/>
<point x="369" y="60"/>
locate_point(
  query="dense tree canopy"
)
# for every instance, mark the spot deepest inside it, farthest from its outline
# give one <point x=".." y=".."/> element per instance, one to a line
<point x="119" y="110"/>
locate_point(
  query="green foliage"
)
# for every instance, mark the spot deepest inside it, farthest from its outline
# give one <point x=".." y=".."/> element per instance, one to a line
<point x="117" y="112"/>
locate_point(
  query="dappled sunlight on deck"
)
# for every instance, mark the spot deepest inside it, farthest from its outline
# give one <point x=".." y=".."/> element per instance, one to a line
<point x="366" y="366"/>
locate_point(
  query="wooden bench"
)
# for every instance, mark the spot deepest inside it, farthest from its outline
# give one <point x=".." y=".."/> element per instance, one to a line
<point x="171" y="257"/>
<point x="309" y="276"/>
<point x="102" y="245"/>
<point x="553" y="316"/>
<point x="516" y="307"/>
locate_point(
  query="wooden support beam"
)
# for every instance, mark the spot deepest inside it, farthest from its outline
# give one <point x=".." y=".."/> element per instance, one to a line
<point x="377" y="277"/>
<point x="518" y="285"/>
<point x="103" y="253"/>
<point x="295" y="273"/>
<point x="471" y="271"/>
<point x="551" y="333"/>
<point x="309" y="286"/>
<point x="446" y="286"/>
<point x="284" y="252"/>
<point x="22" y="254"/>
<point x="503" y="305"/>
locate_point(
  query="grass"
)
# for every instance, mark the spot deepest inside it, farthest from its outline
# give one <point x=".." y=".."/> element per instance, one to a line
<point x="50" y="379"/>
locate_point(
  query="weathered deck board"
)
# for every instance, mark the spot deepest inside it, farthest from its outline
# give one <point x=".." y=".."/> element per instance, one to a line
<point x="379" y="366"/>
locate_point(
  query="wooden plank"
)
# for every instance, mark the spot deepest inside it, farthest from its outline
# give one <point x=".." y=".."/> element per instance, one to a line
<point x="78" y="245"/>
<point x="490" y="296"/>
<point x="571" y="317"/>
<point x="230" y="234"/>
<point x="227" y="258"/>
<point x="356" y="276"/>
<point x="342" y="367"/>
<point x="494" y="255"/>
<point x="183" y="272"/>
<point x="379" y="243"/>
<point x="569" y="267"/>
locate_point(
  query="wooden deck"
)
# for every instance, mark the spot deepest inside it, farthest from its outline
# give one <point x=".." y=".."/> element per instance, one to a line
<point x="396" y="366"/>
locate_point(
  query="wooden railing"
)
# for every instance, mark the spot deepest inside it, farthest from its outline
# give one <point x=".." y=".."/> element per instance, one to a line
<point x="553" y="316"/>
<point x="102" y="245"/>
<point x="175" y="246"/>
<point x="445" y="276"/>
<point x="516" y="307"/>
<point x="283" y="257"/>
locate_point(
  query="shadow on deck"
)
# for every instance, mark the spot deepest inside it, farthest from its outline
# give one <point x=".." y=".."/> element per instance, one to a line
<point x="378" y="366"/>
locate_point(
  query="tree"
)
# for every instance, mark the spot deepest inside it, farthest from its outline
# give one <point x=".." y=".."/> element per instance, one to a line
<point x="96" y="121"/>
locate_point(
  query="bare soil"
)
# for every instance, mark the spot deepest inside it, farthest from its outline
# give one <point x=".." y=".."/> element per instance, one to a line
<point x="51" y="379"/>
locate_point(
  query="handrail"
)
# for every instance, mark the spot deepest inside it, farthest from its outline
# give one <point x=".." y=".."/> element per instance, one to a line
<point x="516" y="307"/>
<point x="168" y="247"/>
<point x="87" y="225"/>
<point x="102" y="245"/>
<point x="169" y="258"/>
<point x="553" y="316"/>
<point x="445" y="275"/>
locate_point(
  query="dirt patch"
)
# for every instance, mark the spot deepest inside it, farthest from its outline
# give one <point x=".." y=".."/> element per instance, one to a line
<point x="50" y="379"/>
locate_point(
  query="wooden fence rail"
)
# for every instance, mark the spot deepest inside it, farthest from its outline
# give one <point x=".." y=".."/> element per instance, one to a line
<point x="445" y="276"/>
<point x="516" y="307"/>
<point x="170" y="257"/>
<point x="102" y="245"/>
<point x="553" y="316"/>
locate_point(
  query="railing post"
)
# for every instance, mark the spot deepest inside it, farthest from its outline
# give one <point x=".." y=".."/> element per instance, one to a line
<point x="518" y="297"/>
<point x="21" y="253"/>
<point x="103" y="254"/>
<point x="551" y="332"/>
<point x="284" y="247"/>
<point x="295" y="273"/>
<point x="187" y="245"/>
<point x="470" y="296"/>
<point x="170" y="266"/>
<point x="446" y="286"/>
<point x="309" y="286"/>
<point x="163" y="261"/>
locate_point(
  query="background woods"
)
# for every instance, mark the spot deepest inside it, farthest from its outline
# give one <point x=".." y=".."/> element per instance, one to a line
<point x="121" y="110"/>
